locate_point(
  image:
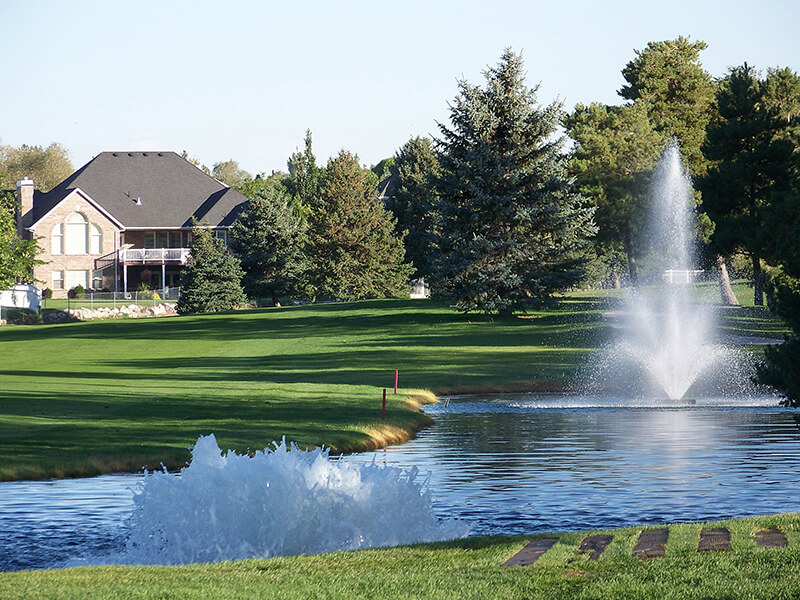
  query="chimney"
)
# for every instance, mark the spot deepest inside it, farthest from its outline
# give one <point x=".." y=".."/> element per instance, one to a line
<point x="25" y="199"/>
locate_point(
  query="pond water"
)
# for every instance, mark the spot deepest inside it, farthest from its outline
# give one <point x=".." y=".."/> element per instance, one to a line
<point x="536" y="463"/>
<point x="511" y="464"/>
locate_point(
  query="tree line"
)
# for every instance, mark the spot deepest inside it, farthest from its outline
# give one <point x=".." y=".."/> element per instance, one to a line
<point x="488" y="213"/>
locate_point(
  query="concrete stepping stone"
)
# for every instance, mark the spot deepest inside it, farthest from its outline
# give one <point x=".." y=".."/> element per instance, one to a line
<point x="652" y="543"/>
<point x="596" y="544"/>
<point x="530" y="553"/>
<point x="714" y="540"/>
<point x="771" y="538"/>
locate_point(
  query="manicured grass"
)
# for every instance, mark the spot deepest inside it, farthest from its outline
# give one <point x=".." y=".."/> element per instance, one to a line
<point x="461" y="569"/>
<point x="99" y="396"/>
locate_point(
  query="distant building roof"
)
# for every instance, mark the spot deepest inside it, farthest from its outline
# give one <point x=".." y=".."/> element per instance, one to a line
<point x="148" y="189"/>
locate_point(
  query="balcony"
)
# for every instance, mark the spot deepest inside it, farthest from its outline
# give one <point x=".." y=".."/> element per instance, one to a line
<point x="153" y="256"/>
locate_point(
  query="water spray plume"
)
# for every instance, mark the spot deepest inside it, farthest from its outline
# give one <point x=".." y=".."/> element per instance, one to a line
<point x="666" y="336"/>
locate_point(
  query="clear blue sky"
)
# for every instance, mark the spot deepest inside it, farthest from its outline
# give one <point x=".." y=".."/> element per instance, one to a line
<point x="245" y="79"/>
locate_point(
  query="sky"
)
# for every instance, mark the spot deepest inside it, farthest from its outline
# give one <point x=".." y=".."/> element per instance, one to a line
<point x="244" y="80"/>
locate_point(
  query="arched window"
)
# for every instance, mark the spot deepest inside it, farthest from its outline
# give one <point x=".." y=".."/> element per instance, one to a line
<point x="77" y="234"/>
<point x="95" y="240"/>
<point x="57" y="239"/>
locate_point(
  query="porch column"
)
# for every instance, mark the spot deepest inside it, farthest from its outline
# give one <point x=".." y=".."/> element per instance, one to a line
<point x="116" y="262"/>
<point x="163" y="281"/>
<point x="125" y="278"/>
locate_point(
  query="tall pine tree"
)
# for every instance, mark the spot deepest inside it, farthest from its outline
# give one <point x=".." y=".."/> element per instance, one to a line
<point x="677" y="93"/>
<point x="354" y="251"/>
<point x="749" y="163"/>
<point x="411" y="200"/>
<point x="512" y="227"/>
<point x="211" y="281"/>
<point x="268" y="237"/>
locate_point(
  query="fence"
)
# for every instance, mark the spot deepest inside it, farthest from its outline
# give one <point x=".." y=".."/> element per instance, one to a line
<point x="94" y="300"/>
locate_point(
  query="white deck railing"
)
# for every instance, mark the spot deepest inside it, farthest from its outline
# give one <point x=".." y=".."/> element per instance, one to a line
<point x="154" y="255"/>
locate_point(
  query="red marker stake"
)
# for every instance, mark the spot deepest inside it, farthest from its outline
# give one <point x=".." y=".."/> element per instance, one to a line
<point x="383" y="411"/>
<point x="396" y="373"/>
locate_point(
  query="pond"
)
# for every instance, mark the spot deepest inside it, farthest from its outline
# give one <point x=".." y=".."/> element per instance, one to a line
<point x="508" y="464"/>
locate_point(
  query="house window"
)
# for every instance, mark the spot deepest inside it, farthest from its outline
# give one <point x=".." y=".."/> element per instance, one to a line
<point x="58" y="280"/>
<point x="95" y="240"/>
<point x="77" y="234"/>
<point x="77" y="278"/>
<point x="57" y="240"/>
<point x="149" y="239"/>
<point x="97" y="280"/>
<point x="221" y="234"/>
<point x="162" y="239"/>
<point x="175" y="239"/>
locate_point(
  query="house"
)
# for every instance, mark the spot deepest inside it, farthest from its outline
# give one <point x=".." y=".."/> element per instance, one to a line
<point x="123" y="219"/>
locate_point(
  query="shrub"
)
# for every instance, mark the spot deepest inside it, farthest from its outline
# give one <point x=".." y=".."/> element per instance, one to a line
<point x="47" y="293"/>
<point x="77" y="292"/>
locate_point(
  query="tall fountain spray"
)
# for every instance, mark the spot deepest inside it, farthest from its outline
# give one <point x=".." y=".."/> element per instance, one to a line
<point x="671" y="332"/>
<point x="665" y="344"/>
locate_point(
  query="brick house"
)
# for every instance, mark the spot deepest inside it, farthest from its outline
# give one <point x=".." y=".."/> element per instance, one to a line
<point x="122" y="219"/>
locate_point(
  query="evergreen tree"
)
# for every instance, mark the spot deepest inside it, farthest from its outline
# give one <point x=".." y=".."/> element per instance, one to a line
<point x="353" y="248"/>
<point x="750" y="162"/>
<point x="411" y="200"/>
<point x="211" y="281"/>
<point x="615" y="153"/>
<point x="677" y="93"/>
<point x="268" y="238"/>
<point x="511" y="226"/>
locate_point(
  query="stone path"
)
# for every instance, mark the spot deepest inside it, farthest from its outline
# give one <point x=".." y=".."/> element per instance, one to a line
<point x="714" y="540"/>
<point x="651" y="544"/>
<point x="530" y="553"/>
<point x="771" y="538"/>
<point x="596" y="544"/>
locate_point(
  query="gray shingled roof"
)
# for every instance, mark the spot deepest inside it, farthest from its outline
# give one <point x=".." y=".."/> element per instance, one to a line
<point x="171" y="189"/>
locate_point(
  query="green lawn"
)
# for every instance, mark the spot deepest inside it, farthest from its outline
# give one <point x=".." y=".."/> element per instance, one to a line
<point x="464" y="569"/>
<point x="84" y="398"/>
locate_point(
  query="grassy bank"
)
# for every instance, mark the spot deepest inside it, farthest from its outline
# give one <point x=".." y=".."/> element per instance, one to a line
<point x="85" y="398"/>
<point x="461" y="569"/>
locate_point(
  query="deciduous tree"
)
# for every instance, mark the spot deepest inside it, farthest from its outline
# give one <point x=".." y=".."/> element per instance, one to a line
<point x="304" y="177"/>
<point x="230" y="173"/>
<point x="46" y="166"/>
<point x="615" y="152"/>
<point x="17" y="256"/>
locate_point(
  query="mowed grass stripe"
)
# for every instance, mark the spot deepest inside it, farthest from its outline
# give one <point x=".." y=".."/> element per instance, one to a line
<point x="140" y="392"/>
